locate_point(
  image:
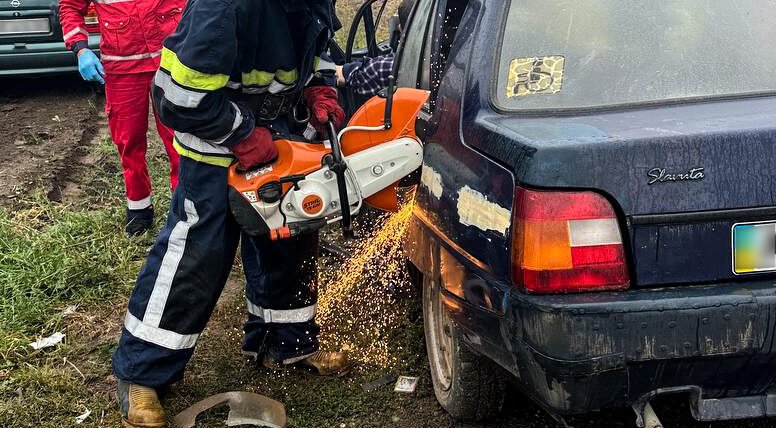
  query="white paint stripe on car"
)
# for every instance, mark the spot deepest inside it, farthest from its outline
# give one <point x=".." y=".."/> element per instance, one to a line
<point x="474" y="209"/>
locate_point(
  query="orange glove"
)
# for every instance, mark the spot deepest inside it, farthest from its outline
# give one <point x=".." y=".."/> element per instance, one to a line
<point x="256" y="149"/>
<point x="322" y="101"/>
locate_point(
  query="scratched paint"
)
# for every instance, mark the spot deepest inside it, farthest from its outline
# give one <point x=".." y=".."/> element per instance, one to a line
<point x="746" y="338"/>
<point x="557" y="393"/>
<point x="474" y="209"/>
<point x="649" y="348"/>
<point x="432" y="180"/>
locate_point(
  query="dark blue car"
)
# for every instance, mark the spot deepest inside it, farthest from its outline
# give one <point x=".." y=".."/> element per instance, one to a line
<point x="597" y="206"/>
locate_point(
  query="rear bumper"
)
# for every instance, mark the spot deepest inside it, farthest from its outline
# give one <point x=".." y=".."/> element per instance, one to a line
<point x="578" y="353"/>
<point x="40" y="58"/>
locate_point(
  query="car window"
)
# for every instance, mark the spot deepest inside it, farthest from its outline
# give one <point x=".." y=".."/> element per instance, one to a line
<point x="445" y="28"/>
<point x="425" y="49"/>
<point x="411" y="50"/>
<point x="568" y="54"/>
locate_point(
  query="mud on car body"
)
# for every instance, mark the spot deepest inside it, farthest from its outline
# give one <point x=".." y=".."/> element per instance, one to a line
<point x="595" y="215"/>
<point x="31" y="38"/>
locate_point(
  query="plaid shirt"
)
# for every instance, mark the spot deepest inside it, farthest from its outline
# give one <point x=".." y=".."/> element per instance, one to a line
<point x="369" y="75"/>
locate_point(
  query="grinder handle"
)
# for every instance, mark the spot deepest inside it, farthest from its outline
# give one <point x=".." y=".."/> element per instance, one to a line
<point x="339" y="166"/>
<point x="387" y="123"/>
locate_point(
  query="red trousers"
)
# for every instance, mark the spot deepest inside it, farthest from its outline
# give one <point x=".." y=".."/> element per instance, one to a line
<point x="126" y="105"/>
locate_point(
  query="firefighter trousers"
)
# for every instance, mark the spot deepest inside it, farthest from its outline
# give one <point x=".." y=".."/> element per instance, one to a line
<point x="177" y="289"/>
<point x="127" y="106"/>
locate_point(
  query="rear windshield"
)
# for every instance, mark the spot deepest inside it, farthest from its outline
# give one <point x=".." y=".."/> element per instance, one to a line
<point x="570" y="54"/>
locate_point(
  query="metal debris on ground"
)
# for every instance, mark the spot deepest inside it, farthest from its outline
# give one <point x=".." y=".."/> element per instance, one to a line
<point x="379" y="382"/>
<point x="70" y="310"/>
<point x="82" y="417"/>
<point x="245" y="408"/>
<point x="406" y="384"/>
<point x="47" y="342"/>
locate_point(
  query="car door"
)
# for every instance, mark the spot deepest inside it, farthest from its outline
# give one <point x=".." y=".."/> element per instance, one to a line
<point x="424" y="50"/>
<point x="411" y="68"/>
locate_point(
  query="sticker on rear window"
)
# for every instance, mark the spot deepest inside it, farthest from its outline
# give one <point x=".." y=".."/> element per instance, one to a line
<point x="536" y="75"/>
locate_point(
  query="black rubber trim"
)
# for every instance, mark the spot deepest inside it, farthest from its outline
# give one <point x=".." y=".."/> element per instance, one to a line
<point x="702" y="216"/>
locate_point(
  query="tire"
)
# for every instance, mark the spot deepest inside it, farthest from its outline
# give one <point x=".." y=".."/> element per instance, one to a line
<point x="468" y="386"/>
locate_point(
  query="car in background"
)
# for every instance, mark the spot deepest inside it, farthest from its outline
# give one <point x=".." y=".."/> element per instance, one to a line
<point x="596" y="216"/>
<point x="31" y="40"/>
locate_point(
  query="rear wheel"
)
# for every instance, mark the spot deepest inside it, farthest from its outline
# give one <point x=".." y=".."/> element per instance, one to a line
<point x="466" y="385"/>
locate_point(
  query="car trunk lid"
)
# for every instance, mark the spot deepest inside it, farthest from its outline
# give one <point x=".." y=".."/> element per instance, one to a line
<point x="29" y="21"/>
<point x="681" y="176"/>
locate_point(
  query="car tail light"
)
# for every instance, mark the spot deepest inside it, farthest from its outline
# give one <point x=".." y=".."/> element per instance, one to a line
<point x="90" y="19"/>
<point x="566" y="242"/>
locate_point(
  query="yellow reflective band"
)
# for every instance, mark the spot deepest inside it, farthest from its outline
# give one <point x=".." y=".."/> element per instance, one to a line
<point x="186" y="76"/>
<point x="257" y="78"/>
<point x="322" y="64"/>
<point x="286" y="77"/>
<point x="265" y="78"/>
<point x="210" y="160"/>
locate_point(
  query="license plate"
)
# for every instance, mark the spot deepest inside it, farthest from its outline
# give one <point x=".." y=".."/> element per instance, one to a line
<point x="24" y="26"/>
<point x="754" y="247"/>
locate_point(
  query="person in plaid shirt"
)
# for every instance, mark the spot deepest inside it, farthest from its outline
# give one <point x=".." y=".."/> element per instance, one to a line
<point x="369" y="75"/>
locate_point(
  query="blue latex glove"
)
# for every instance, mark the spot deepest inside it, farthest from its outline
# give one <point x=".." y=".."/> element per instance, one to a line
<point x="90" y="66"/>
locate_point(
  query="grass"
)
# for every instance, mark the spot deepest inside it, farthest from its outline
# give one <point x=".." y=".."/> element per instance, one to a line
<point x="53" y="253"/>
<point x="346" y="10"/>
<point x="50" y="255"/>
<point x="54" y="256"/>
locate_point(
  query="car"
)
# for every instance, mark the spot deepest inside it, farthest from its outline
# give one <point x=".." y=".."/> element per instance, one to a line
<point x="596" y="213"/>
<point x="31" y="40"/>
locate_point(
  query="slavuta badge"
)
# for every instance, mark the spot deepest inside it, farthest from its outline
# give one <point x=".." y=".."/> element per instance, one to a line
<point x="536" y="75"/>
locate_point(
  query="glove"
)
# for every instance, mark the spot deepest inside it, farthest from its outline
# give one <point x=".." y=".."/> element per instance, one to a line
<point x="256" y="149"/>
<point x="322" y="101"/>
<point x="90" y="66"/>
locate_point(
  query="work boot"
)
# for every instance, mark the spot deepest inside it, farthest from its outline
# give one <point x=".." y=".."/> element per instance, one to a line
<point x="139" y="221"/>
<point x="140" y="406"/>
<point x="322" y="363"/>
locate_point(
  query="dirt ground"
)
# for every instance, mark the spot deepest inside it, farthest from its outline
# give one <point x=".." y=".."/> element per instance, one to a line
<point x="43" y="122"/>
<point x="36" y="150"/>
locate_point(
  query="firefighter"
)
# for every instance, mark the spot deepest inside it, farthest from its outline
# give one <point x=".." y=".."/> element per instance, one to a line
<point x="130" y="47"/>
<point x="230" y="76"/>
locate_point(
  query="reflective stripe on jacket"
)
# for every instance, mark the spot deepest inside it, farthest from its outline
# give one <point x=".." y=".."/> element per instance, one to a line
<point x="226" y="48"/>
<point x="132" y="30"/>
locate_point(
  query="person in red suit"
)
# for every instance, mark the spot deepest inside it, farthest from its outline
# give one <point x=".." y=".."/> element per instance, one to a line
<point x="130" y="48"/>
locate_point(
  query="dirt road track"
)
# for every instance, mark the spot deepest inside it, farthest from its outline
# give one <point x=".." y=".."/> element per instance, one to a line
<point x="43" y="122"/>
